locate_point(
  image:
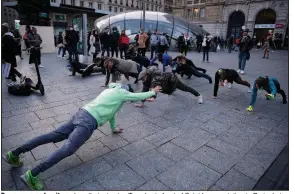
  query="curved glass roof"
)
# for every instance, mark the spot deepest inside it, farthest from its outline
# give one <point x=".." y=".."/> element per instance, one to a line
<point x="158" y="17"/>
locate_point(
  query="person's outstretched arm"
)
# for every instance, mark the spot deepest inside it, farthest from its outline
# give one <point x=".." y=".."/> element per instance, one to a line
<point x="216" y="84"/>
<point x="128" y="96"/>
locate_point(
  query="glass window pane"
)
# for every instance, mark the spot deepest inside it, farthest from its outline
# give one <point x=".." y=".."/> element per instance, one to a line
<point x="119" y="25"/>
<point x="132" y="26"/>
<point x="165" y="28"/>
<point x="150" y="25"/>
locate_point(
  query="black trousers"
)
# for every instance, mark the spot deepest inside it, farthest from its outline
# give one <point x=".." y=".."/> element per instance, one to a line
<point x="73" y="51"/>
<point x="183" y="87"/>
<point x="105" y="49"/>
<point x="13" y="73"/>
<point x="123" y="49"/>
<point x="280" y="91"/>
<point x="35" y="56"/>
<point x="206" y="53"/>
<point x="142" y="51"/>
<point x="114" y="50"/>
<point x="154" y="49"/>
<point x="196" y="72"/>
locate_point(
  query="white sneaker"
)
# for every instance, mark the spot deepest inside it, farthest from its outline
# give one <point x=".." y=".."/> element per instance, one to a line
<point x="249" y="90"/>
<point x="41" y="66"/>
<point x="239" y="71"/>
<point x="229" y="86"/>
<point x="200" y="99"/>
<point x="242" y="72"/>
<point x="11" y="83"/>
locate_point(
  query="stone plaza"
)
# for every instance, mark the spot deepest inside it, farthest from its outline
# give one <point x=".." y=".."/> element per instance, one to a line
<point x="173" y="143"/>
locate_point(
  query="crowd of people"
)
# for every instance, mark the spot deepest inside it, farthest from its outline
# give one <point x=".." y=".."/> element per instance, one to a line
<point x="131" y="63"/>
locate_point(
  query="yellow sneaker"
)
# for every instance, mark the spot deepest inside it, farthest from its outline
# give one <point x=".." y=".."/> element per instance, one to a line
<point x="250" y="109"/>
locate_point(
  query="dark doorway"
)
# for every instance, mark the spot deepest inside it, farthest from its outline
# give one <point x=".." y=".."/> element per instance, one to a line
<point x="267" y="17"/>
<point x="235" y="23"/>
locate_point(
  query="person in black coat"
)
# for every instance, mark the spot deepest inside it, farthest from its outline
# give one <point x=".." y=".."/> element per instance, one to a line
<point x="114" y="41"/>
<point x="9" y="50"/>
<point x="72" y="39"/>
<point x="105" y="43"/>
<point x="18" y="40"/>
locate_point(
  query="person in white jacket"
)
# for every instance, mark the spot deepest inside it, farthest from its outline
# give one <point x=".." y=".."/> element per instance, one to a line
<point x="92" y="41"/>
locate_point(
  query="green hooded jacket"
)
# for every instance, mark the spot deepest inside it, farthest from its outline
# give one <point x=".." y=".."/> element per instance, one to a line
<point x="105" y="106"/>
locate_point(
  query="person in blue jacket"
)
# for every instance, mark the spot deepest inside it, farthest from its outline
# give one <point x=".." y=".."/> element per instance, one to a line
<point x="165" y="59"/>
<point x="271" y="85"/>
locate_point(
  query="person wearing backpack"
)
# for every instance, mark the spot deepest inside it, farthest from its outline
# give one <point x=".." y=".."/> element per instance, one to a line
<point x="206" y="47"/>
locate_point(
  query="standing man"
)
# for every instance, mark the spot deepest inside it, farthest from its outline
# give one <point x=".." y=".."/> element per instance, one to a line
<point x="142" y="37"/>
<point x="154" y="41"/>
<point x="230" y="42"/>
<point x="245" y="44"/>
<point x="105" y="43"/>
<point x="114" y="41"/>
<point x="72" y="39"/>
<point x="206" y="47"/>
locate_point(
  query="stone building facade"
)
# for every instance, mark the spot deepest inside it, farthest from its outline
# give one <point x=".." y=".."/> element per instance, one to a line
<point x="215" y="15"/>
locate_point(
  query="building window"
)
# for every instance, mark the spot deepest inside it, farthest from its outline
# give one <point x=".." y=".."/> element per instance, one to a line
<point x="152" y="7"/>
<point x="196" y="1"/>
<point x="147" y="6"/>
<point x="189" y="13"/>
<point x="116" y="2"/>
<point x="72" y="2"/>
<point x="98" y="6"/>
<point x="81" y="3"/>
<point x="63" y="1"/>
<point x="121" y="2"/>
<point x="190" y="2"/>
<point x="196" y="12"/>
<point x="115" y="9"/>
<point x="110" y="8"/>
<point x="202" y="12"/>
<point x="53" y="1"/>
<point x="121" y="10"/>
<point x="90" y="5"/>
<point x="110" y="1"/>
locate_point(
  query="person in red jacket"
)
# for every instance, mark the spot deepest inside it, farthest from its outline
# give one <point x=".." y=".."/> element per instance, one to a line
<point x="123" y="43"/>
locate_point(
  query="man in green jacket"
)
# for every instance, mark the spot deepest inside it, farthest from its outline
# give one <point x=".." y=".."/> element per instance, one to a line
<point x="78" y="130"/>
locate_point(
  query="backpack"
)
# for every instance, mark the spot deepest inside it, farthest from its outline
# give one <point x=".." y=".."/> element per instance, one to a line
<point x="20" y="90"/>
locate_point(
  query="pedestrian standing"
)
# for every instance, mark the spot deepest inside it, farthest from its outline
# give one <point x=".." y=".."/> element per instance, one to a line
<point x="123" y="44"/>
<point x="72" y="41"/>
<point x="154" y="41"/>
<point x="163" y="44"/>
<point x="18" y="40"/>
<point x="60" y="44"/>
<point x="245" y="45"/>
<point x="266" y="48"/>
<point x="142" y="37"/>
<point x="105" y="43"/>
<point x="206" y="47"/>
<point x="64" y="42"/>
<point x="114" y="41"/>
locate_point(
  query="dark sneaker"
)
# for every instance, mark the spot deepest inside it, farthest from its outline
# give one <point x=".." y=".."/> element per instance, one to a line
<point x="210" y="81"/>
<point x="14" y="161"/>
<point x="34" y="183"/>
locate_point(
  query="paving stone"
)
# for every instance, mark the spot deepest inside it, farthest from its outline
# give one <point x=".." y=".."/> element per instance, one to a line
<point x="21" y="138"/>
<point x="65" y="109"/>
<point x="156" y="162"/>
<point x="117" y="157"/>
<point x="16" y="129"/>
<point x="163" y="136"/>
<point x="44" y="114"/>
<point x="76" y="176"/>
<point x="262" y="122"/>
<point x="96" y="135"/>
<point x="7" y="183"/>
<point x="189" y="175"/>
<point x="153" y="185"/>
<point x="260" y="157"/>
<point x="275" y="171"/>
<point x="250" y="169"/>
<point x="161" y="122"/>
<point x="214" y="159"/>
<point x="42" y="123"/>
<point x="136" y="148"/>
<point x="20" y="112"/>
<point x="193" y="140"/>
<point x="113" y="141"/>
<point x="215" y="188"/>
<point x="45" y="106"/>
<point x="264" y="184"/>
<point x="201" y="116"/>
<point x="214" y="127"/>
<point x="120" y="178"/>
<point x="21" y="119"/>
<point x="92" y="185"/>
<point x="92" y="150"/>
<point x="43" y="151"/>
<point x="227" y="148"/>
<point x="64" y="117"/>
<point x="139" y="131"/>
<point x="173" y="152"/>
<point x="235" y="181"/>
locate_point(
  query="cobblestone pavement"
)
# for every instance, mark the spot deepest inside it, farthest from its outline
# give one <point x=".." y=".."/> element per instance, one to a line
<point x="171" y="144"/>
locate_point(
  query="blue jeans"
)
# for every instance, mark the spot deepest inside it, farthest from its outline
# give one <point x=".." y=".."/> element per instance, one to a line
<point x="77" y="131"/>
<point x="59" y="50"/>
<point x="242" y="60"/>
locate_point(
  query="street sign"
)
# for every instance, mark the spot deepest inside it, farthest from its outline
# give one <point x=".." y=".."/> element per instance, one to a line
<point x="265" y="26"/>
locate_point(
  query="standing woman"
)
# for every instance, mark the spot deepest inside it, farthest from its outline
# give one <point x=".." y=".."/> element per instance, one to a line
<point x="142" y="37"/>
<point x="60" y="44"/>
<point x="266" y="48"/>
<point x="123" y="44"/>
<point x="91" y="43"/>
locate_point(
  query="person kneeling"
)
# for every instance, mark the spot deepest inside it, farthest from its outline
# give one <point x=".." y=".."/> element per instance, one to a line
<point x="169" y="82"/>
<point x="78" y="130"/>
<point x="271" y="85"/>
<point x="228" y="76"/>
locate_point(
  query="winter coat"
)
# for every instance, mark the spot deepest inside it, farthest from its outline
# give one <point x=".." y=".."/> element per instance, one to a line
<point x="92" y="41"/>
<point x="8" y="48"/>
<point x="114" y="39"/>
<point x="124" y="39"/>
<point x="142" y="40"/>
